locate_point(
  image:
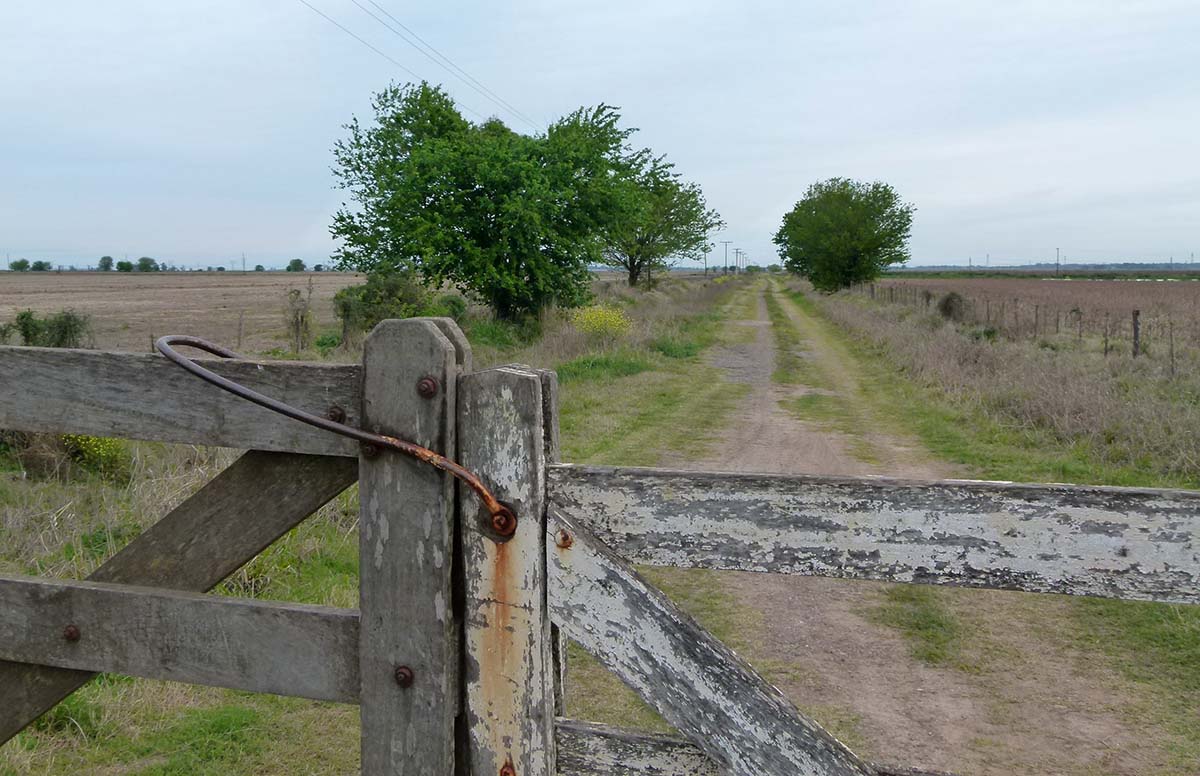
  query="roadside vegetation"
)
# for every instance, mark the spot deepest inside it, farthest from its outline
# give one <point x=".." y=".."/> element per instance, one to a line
<point x="633" y="388"/>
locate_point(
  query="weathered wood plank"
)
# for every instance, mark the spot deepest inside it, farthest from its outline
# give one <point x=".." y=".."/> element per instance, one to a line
<point x="509" y="680"/>
<point x="260" y="497"/>
<point x="1112" y="542"/>
<point x="590" y="749"/>
<point x="694" y="681"/>
<point x="144" y="396"/>
<point x="406" y="551"/>
<point x="280" y="648"/>
<point x="558" y="642"/>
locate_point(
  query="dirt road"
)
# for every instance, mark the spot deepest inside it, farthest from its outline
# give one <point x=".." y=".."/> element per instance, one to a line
<point x="1023" y="698"/>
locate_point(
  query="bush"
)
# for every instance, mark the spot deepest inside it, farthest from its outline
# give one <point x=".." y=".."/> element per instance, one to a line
<point x="952" y="307"/>
<point x="107" y="457"/>
<point x="327" y="342"/>
<point x="674" y="347"/>
<point x="453" y="306"/>
<point x="601" y="322"/>
<point x="66" y="329"/>
<point x="383" y="296"/>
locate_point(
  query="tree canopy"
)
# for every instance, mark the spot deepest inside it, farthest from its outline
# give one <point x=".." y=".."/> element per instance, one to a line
<point x="845" y="232"/>
<point x="295" y="265"/>
<point x="665" y="218"/>
<point x="106" y="264"/>
<point x="19" y="265"/>
<point x="147" y="264"/>
<point x="513" y="219"/>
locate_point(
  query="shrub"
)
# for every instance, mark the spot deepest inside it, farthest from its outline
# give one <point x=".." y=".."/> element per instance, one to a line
<point x="383" y="296"/>
<point x="327" y="342"/>
<point x="952" y="307"/>
<point x="297" y="312"/>
<point x="107" y="457"/>
<point x="601" y="322"/>
<point x="674" y="347"/>
<point x="453" y="306"/>
<point x="66" y="329"/>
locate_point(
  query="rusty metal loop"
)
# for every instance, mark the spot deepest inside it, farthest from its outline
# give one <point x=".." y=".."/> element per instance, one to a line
<point x="500" y="513"/>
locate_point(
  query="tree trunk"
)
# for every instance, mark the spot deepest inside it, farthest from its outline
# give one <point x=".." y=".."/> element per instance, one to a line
<point x="635" y="274"/>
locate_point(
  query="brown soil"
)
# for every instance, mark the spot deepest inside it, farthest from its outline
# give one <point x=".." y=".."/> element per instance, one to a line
<point x="1026" y="700"/>
<point x="128" y="310"/>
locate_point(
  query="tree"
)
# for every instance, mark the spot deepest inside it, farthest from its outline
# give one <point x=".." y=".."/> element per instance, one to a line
<point x="19" y="265"/>
<point x="106" y="264"/>
<point x="147" y="264"/>
<point x="296" y="265"/>
<point x="318" y="268"/>
<point x="666" y="219"/>
<point x="41" y="266"/>
<point x="124" y="266"/>
<point x="259" y="268"/>
<point x="845" y="232"/>
<point x="513" y="219"/>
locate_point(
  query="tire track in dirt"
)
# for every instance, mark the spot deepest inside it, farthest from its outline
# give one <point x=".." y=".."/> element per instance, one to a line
<point x="1029" y="702"/>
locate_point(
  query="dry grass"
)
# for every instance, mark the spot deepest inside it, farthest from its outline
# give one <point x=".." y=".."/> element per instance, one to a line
<point x="1127" y="412"/>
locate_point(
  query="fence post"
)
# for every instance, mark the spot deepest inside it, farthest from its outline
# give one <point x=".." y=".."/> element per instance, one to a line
<point x="1137" y="332"/>
<point x="408" y="648"/>
<point x="509" y="699"/>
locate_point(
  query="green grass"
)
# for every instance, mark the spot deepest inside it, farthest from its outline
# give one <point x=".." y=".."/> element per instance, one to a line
<point x="603" y="365"/>
<point x="934" y="633"/>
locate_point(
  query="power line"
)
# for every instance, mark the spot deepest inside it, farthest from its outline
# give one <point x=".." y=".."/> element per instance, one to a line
<point x="349" y="32"/>
<point x="445" y="62"/>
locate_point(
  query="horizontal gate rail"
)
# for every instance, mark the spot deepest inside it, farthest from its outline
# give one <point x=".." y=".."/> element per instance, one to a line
<point x="144" y="396"/>
<point x="693" y="680"/>
<point x="1127" y="543"/>
<point x="258" y="646"/>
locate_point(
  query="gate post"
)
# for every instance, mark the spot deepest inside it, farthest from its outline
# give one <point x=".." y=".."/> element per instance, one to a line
<point x="408" y="642"/>
<point x="509" y="681"/>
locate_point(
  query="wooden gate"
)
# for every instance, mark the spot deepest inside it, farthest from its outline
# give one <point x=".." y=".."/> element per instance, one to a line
<point x="453" y="654"/>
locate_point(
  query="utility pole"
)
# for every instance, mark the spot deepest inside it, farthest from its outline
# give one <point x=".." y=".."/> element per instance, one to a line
<point x="243" y="262"/>
<point x="1057" y="262"/>
<point x="726" y="244"/>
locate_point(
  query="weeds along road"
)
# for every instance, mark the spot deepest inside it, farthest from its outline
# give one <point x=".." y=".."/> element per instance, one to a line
<point x="976" y="682"/>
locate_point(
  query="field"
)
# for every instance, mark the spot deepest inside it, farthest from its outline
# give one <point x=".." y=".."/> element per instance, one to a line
<point x="747" y="374"/>
<point x="129" y="309"/>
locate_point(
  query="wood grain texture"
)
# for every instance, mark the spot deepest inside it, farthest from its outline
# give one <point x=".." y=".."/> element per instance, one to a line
<point x="550" y="432"/>
<point x="260" y="497"/>
<point x="406" y="547"/>
<point x="590" y="749"/>
<point x="509" y="680"/>
<point x="144" y="396"/>
<point x="1111" y="542"/>
<point x="694" y="681"/>
<point x="280" y="648"/>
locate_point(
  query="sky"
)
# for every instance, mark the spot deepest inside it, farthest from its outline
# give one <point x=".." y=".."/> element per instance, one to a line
<point x="195" y="132"/>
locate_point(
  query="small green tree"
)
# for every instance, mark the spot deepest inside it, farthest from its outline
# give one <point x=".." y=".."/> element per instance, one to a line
<point x="845" y="232"/>
<point x="41" y="266"/>
<point x="666" y="219"/>
<point x="296" y="265"/>
<point x="147" y="264"/>
<point x="105" y="264"/>
<point x="124" y="266"/>
<point x="259" y="268"/>
<point x="514" y="219"/>
<point x="19" y="265"/>
<point x="318" y="268"/>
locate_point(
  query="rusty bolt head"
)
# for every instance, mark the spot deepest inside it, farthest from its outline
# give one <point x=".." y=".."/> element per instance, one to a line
<point x="427" y="387"/>
<point x="507" y="769"/>
<point x="404" y="676"/>
<point x="504" y="522"/>
<point x="71" y="633"/>
<point x="368" y="450"/>
<point x="336" y="414"/>
<point x="563" y="539"/>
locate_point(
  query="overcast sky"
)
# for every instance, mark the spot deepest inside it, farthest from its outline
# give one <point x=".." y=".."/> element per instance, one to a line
<point x="194" y="131"/>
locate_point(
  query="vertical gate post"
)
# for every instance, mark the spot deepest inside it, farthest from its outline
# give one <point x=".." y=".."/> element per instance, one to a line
<point x="408" y="639"/>
<point x="509" y="676"/>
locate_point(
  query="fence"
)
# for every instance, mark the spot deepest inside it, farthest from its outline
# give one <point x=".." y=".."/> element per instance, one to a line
<point x="1120" y="322"/>
<point x="452" y="654"/>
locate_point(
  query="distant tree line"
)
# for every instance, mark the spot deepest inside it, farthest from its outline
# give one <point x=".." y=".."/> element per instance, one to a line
<point x="143" y="264"/>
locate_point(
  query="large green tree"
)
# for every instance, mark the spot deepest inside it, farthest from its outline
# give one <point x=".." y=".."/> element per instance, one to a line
<point x="19" y="265"/>
<point x="665" y="220"/>
<point x="106" y="264"/>
<point x="513" y="219"/>
<point x="845" y="232"/>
